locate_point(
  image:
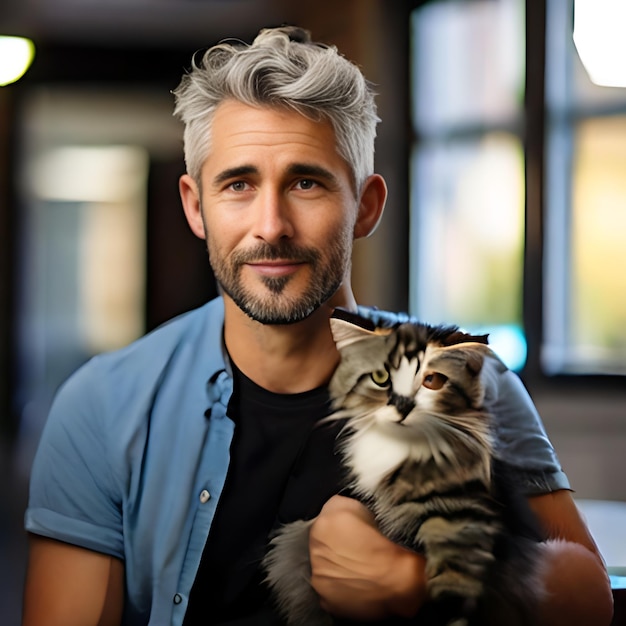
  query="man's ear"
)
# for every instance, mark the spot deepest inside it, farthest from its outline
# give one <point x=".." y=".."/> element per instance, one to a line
<point x="371" y="206"/>
<point x="190" y="197"/>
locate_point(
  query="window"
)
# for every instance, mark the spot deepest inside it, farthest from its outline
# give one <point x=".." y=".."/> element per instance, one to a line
<point x="585" y="239"/>
<point x="468" y="170"/>
<point x="83" y="174"/>
<point x="468" y="188"/>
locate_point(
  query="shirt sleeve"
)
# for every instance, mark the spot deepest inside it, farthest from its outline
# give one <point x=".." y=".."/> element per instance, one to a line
<point x="522" y="441"/>
<point x="72" y="487"/>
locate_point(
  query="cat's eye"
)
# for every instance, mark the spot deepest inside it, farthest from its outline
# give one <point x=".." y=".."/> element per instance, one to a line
<point x="380" y="377"/>
<point x="434" y="380"/>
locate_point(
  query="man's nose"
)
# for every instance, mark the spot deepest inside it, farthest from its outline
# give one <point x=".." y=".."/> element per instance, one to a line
<point x="272" y="217"/>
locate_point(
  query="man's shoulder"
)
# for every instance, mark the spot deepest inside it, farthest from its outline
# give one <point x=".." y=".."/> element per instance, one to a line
<point x="194" y="335"/>
<point x="167" y="338"/>
<point x="187" y="326"/>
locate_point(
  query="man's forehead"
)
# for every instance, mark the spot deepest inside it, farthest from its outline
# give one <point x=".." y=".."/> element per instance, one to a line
<point x="240" y="123"/>
<point x="243" y="135"/>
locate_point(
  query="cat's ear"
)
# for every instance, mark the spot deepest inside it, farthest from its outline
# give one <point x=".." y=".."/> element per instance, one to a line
<point x="371" y="206"/>
<point x="491" y="376"/>
<point x="346" y="333"/>
<point x="474" y="362"/>
<point x="483" y="362"/>
<point x="477" y="354"/>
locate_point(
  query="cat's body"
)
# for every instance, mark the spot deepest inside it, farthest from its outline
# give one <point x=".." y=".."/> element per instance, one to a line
<point x="419" y="446"/>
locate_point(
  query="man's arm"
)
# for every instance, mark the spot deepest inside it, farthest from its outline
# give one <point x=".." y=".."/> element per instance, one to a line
<point x="360" y="574"/>
<point x="70" y="586"/>
<point x="579" y="590"/>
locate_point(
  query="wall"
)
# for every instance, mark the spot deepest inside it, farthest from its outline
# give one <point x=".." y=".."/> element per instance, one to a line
<point x="588" y="430"/>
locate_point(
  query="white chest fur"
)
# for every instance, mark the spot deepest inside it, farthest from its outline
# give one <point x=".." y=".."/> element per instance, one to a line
<point x="373" y="455"/>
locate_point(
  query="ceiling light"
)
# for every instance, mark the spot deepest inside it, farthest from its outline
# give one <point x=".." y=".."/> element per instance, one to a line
<point x="600" y="41"/>
<point x="16" y="55"/>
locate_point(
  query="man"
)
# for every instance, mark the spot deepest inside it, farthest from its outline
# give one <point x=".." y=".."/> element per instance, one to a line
<point x="164" y="467"/>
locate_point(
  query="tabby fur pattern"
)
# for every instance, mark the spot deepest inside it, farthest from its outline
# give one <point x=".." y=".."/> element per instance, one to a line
<point x="419" y="444"/>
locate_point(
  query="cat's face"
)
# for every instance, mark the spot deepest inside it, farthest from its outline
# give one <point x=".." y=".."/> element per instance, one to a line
<point x="402" y="377"/>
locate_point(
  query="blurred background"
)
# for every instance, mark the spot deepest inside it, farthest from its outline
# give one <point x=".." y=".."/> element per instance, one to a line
<point x="503" y="143"/>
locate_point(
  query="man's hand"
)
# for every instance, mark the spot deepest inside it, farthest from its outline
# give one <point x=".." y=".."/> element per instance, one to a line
<point x="357" y="572"/>
<point x="579" y="591"/>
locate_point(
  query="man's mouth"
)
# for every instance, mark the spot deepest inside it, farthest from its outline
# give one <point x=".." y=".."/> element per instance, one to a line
<point x="275" y="267"/>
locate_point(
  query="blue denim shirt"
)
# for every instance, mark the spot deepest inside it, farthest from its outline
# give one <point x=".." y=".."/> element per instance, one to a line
<point x="134" y="456"/>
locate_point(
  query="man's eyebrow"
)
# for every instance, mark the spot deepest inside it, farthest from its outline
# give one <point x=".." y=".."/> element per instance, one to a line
<point x="234" y="172"/>
<point x="306" y="169"/>
<point x="296" y="169"/>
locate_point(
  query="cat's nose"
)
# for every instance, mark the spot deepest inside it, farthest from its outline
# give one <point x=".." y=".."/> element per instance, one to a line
<point x="404" y="404"/>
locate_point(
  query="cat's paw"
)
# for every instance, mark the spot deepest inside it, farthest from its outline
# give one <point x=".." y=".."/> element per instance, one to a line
<point x="449" y="586"/>
<point x="288" y="573"/>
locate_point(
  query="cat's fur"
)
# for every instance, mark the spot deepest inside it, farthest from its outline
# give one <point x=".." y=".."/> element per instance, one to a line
<point x="419" y="446"/>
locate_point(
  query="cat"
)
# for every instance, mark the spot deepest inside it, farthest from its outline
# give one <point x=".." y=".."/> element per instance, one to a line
<point x="419" y="445"/>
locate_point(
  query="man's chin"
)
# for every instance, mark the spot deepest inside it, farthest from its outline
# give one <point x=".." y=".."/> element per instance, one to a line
<point x="277" y="309"/>
<point x="276" y="318"/>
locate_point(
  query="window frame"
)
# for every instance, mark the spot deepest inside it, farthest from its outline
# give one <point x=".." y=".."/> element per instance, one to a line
<point x="442" y="134"/>
<point x="535" y="115"/>
<point x="541" y="204"/>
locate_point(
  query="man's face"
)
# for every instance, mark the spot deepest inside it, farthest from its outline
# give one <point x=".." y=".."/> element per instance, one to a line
<point x="279" y="211"/>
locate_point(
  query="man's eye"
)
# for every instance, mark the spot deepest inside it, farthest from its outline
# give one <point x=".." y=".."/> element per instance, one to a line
<point x="238" y="185"/>
<point x="306" y="183"/>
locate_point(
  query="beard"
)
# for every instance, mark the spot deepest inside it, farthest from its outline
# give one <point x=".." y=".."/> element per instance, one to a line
<point x="275" y="306"/>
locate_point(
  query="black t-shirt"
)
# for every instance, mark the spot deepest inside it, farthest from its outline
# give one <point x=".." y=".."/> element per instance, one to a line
<point x="284" y="466"/>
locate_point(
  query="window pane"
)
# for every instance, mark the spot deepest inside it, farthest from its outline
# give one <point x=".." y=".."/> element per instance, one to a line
<point x="467" y="237"/>
<point x="469" y="63"/>
<point x="593" y="339"/>
<point x="467" y="169"/>
<point x="83" y="279"/>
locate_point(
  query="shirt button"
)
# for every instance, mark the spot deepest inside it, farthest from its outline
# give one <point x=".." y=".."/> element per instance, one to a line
<point x="204" y="496"/>
<point x="178" y="598"/>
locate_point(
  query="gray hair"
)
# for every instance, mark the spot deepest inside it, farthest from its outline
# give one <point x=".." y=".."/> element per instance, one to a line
<point x="281" y="68"/>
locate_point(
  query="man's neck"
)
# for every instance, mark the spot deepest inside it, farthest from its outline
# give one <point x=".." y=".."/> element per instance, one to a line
<point x="289" y="358"/>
